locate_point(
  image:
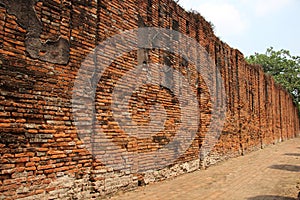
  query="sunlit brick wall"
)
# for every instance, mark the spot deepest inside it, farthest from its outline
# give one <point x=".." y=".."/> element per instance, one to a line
<point x="43" y="45"/>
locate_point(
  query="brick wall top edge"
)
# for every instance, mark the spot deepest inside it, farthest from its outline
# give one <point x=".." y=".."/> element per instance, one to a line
<point x="257" y="68"/>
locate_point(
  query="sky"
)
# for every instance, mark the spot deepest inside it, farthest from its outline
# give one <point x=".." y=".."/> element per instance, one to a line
<point x="253" y="25"/>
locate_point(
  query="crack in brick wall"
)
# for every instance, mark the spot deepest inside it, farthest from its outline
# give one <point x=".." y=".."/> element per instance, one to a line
<point x="41" y="153"/>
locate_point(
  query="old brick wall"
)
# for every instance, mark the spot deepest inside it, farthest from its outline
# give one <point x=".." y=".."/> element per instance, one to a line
<point x="43" y="44"/>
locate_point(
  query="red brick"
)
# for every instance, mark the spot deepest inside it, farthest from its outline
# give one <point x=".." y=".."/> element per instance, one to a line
<point x="30" y="164"/>
<point x="22" y="159"/>
<point x="42" y="167"/>
<point x="7" y="166"/>
<point x="34" y="159"/>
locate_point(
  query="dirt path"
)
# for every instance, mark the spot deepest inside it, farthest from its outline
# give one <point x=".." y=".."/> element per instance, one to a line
<point x="271" y="173"/>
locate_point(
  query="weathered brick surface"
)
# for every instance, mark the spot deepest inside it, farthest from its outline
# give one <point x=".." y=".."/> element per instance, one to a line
<point x="41" y="153"/>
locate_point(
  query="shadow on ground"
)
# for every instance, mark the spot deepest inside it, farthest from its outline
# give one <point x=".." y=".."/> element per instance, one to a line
<point x="292" y="168"/>
<point x="292" y="154"/>
<point x="270" y="197"/>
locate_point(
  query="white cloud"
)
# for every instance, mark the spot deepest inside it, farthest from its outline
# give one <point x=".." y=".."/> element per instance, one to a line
<point x="187" y="4"/>
<point x="265" y="7"/>
<point x="252" y="25"/>
<point x="226" y="17"/>
<point x="234" y="17"/>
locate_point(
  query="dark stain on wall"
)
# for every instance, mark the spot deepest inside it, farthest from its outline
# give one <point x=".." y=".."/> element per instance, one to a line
<point x="53" y="51"/>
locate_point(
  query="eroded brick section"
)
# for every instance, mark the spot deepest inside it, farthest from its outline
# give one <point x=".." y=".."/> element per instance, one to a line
<point x="54" y="51"/>
<point x="41" y="153"/>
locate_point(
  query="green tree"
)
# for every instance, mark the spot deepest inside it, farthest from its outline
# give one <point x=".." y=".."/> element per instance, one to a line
<point x="284" y="67"/>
